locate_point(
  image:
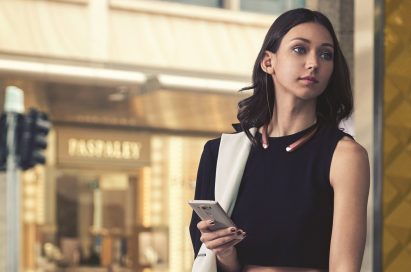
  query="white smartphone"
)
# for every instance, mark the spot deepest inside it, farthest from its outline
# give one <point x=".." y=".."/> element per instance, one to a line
<point x="211" y="210"/>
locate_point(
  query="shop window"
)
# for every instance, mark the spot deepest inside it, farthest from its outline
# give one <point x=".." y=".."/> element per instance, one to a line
<point x="270" y="6"/>
<point x="96" y="218"/>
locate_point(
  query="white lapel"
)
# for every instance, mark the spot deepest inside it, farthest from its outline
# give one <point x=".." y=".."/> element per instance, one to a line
<point x="232" y="157"/>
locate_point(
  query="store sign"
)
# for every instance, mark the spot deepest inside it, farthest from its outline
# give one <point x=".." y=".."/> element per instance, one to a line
<point x="97" y="148"/>
<point x="92" y="147"/>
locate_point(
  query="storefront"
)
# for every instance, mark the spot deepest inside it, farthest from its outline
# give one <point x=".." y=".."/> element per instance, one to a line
<point x="99" y="182"/>
<point x="113" y="194"/>
<point x="119" y="197"/>
<point x="133" y="92"/>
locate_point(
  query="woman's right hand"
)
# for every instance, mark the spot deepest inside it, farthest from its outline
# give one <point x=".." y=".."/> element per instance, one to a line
<point x="221" y="241"/>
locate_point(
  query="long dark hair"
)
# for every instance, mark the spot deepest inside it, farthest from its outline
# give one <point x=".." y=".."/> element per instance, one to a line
<point x="333" y="105"/>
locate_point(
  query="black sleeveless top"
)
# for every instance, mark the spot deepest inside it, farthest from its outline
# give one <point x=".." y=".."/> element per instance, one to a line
<point x="285" y="200"/>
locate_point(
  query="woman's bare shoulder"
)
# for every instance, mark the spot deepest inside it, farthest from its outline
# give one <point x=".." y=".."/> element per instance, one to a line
<point x="349" y="159"/>
<point x="347" y="146"/>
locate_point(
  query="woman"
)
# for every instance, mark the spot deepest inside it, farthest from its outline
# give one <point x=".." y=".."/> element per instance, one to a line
<point x="302" y="202"/>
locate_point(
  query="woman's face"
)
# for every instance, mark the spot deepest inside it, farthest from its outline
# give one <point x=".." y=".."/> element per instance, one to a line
<point x="303" y="64"/>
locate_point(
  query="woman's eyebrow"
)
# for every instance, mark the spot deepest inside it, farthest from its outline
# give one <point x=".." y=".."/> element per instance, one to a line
<point x="308" y="41"/>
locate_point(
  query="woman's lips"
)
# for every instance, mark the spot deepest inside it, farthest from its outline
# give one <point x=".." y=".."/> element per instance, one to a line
<point x="310" y="80"/>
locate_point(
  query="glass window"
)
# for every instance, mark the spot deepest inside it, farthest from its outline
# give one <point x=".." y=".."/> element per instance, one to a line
<point x="206" y="3"/>
<point x="270" y="6"/>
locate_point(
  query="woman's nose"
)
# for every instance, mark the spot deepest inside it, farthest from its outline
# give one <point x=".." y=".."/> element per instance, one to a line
<point x="312" y="62"/>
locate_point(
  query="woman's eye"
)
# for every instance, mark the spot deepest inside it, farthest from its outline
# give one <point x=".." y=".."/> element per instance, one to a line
<point x="326" y="55"/>
<point x="299" y="50"/>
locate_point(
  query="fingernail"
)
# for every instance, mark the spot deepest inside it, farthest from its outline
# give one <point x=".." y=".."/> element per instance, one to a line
<point x="211" y="222"/>
<point x="232" y="229"/>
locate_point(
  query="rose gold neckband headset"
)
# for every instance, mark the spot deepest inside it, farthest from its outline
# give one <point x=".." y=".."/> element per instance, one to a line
<point x="295" y="145"/>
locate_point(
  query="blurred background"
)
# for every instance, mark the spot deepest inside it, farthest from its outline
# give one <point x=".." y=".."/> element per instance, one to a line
<point x="134" y="88"/>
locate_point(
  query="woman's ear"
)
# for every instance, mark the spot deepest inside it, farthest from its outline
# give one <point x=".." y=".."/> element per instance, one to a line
<point x="267" y="62"/>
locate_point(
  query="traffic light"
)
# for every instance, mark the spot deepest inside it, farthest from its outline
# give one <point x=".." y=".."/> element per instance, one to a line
<point x="3" y="142"/>
<point x="33" y="129"/>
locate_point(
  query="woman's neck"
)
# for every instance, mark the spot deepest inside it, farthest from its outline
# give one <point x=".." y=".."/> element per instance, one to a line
<point x="291" y="118"/>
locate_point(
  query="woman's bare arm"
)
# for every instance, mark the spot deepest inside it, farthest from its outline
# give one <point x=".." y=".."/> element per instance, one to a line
<point x="350" y="178"/>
